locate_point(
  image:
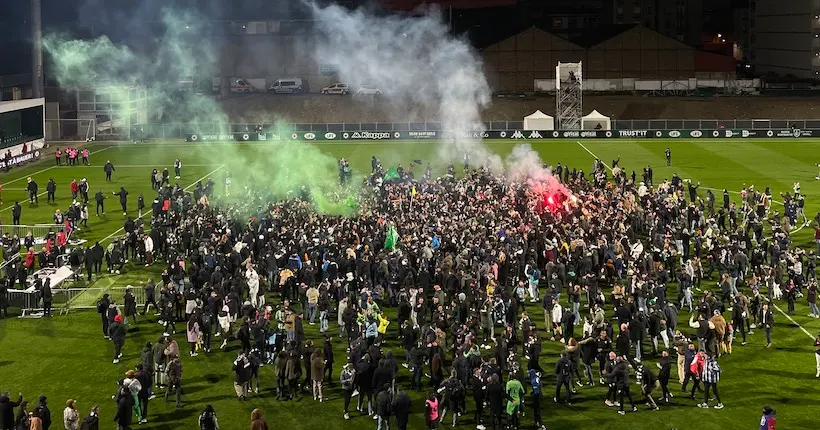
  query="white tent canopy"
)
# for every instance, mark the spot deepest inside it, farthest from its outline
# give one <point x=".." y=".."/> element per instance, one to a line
<point x="596" y="121"/>
<point x="539" y="121"/>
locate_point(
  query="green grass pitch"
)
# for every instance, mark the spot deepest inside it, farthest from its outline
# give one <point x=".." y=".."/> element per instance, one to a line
<point x="66" y="357"/>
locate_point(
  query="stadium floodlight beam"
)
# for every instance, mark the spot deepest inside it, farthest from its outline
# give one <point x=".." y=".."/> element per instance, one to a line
<point x="36" y="50"/>
<point x="569" y="95"/>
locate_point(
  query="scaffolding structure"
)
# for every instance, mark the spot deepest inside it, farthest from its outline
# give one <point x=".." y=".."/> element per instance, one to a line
<point x="114" y="110"/>
<point x="569" y="96"/>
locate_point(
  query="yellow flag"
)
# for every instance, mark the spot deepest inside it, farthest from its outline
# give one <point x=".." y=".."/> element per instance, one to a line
<point x="414" y="192"/>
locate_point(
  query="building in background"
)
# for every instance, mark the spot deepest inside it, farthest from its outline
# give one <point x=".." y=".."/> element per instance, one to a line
<point x="682" y="20"/>
<point x="785" y="38"/>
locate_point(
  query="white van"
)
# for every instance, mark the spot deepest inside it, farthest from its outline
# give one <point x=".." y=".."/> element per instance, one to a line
<point x="289" y="86"/>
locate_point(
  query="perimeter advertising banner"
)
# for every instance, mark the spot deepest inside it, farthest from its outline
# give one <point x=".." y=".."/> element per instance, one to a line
<point x="16" y="160"/>
<point x="510" y="134"/>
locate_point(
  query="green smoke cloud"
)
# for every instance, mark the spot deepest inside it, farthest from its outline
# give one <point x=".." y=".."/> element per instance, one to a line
<point x="183" y="50"/>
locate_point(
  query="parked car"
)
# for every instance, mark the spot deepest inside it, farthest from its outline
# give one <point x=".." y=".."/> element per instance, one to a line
<point x="289" y="86"/>
<point x="369" y="90"/>
<point x="242" y="86"/>
<point x="337" y="88"/>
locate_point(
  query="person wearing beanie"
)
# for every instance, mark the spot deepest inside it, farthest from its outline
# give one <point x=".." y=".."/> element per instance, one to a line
<point x="133" y="386"/>
<point x="43" y="413"/>
<point x="116" y="331"/>
<point x="768" y="420"/>
<point x="71" y="418"/>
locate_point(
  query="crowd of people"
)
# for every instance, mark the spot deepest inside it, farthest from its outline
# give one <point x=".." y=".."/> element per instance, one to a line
<point x="444" y="277"/>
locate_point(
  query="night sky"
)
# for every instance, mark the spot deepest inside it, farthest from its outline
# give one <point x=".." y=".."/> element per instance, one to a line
<point x="91" y="18"/>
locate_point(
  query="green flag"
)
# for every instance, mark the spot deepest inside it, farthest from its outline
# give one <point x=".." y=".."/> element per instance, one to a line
<point x="391" y="175"/>
<point x="391" y="239"/>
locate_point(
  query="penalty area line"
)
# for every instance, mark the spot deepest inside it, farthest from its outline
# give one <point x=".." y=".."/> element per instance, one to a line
<point x="792" y="320"/>
<point x="592" y="154"/>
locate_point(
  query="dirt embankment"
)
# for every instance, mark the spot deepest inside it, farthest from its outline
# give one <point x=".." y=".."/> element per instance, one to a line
<point x="253" y="108"/>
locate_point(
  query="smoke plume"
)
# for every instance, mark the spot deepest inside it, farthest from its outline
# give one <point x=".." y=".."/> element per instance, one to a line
<point x="415" y="61"/>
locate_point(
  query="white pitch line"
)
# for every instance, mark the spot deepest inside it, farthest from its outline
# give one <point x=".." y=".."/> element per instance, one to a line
<point x="184" y="189"/>
<point x="49" y="168"/>
<point x="117" y="166"/>
<point x="735" y="192"/>
<point x="706" y="188"/>
<point x="792" y="320"/>
<point x="593" y="154"/>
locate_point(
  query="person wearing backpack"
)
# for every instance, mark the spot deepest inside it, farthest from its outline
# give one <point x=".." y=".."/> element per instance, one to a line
<point x="563" y="374"/>
<point x="535" y="383"/>
<point x="207" y="419"/>
<point x="92" y="420"/>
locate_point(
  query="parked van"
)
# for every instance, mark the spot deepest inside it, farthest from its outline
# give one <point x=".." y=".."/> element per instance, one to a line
<point x="242" y="86"/>
<point x="289" y="86"/>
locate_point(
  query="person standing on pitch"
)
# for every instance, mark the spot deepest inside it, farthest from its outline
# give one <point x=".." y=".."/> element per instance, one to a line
<point x="123" y="200"/>
<point x="32" y="191"/>
<point x="51" y="187"/>
<point x="668" y="157"/>
<point x="108" y="169"/>
<point x="177" y="168"/>
<point x="116" y="331"/>
<point x="100" y="199"/>
<point x="16" y="212"/>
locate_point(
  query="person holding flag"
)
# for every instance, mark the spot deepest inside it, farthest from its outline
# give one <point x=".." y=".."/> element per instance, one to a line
<point x="391" y="239"/>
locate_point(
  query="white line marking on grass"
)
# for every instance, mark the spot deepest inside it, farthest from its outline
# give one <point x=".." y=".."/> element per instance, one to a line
<point x="184" y="189"/>
<point x="593" y="154"/>
<point x="792" y="320"/>
<point x="49" y="168"/>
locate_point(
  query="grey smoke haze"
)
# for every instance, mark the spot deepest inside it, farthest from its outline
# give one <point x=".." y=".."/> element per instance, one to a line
<point x="415" y="61"/>
<point x="158" y="62"/>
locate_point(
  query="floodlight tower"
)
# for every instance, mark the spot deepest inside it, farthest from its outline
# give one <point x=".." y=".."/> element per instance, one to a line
<point x="36" y="50"/>
<point x="569" y="96"/>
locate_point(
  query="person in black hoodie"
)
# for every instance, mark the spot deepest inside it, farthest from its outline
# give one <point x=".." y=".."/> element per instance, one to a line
<point x="621" y="376"/>
<point x="663" y="376"/>
<point x="327" y="350"/>
<point x="495" y="398"/>
<point x="563" y="374"/>
<point x="44" y="413"/>
<point x="364" y="373"/>
<point x="123" y="194"/>
<point x="51" y="188"/>
<point x="45" y="291"/>
<point x="7" y="411"/>
<point x="401" y="409"/>
<point x="116" y="331"/>
<point x="125" y="403"/>
<point x="102" y="309"/>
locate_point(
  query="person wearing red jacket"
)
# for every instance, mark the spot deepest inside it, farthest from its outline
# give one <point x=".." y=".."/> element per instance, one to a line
<point x="29" y="263"/>
<point x="75" y="189"/>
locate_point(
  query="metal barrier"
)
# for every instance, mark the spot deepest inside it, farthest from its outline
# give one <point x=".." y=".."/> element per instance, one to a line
<point x="713" y="124"/>
<point x="182" y="130"/>
<point x="38" y="231"/>
<point x="64" y="300"/>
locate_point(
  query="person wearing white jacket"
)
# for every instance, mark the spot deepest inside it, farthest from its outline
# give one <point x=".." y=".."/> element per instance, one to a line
<point x="133" y="385"/>
<point x="149" y="250"/>
<point x="557" y="316"/>
<point x="253" y="286"/>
